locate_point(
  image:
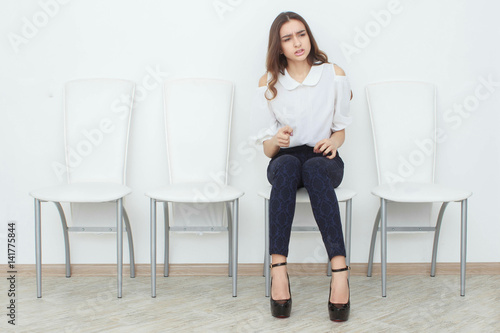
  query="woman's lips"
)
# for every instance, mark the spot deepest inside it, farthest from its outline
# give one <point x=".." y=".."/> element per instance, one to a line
<point x="299" y="52"/>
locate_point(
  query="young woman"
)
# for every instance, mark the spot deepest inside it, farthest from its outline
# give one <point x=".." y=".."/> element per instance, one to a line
<point x="303" y="108"/>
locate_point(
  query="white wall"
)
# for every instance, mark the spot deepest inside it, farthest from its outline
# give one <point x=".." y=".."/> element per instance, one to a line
<point x="453" y="44"/>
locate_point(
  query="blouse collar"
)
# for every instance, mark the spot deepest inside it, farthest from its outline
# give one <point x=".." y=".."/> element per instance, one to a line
<point x="311" y="79"/>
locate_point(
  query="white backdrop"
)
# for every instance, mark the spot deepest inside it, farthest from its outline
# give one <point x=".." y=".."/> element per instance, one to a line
<point x="45" y="43"/>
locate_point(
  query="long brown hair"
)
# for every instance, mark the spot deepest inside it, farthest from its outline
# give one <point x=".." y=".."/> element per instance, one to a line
<point x="276" y="62"/>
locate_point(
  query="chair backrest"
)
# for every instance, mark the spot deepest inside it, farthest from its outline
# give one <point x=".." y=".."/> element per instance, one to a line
<point x="97" y="116"/>
<point x="197" y="122"/>
<point x="403" y="116"/>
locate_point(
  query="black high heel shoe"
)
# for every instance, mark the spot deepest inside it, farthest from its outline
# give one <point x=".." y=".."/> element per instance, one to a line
<point x="339" y="312"/>
<point x="281" y="308"/>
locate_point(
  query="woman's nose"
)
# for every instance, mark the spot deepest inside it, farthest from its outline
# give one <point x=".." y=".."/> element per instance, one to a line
<point x="296" y="41"/>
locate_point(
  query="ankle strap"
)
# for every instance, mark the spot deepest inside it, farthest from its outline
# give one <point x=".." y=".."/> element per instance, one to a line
<point x="346" y="268"/>
<point x="278" y="264"/>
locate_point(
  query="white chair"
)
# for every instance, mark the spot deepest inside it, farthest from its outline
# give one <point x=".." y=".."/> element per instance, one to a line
<point x="343" y="195"/>
<point x="198" y="124"/>
<point x="403" y="116"/>
<point x="96" y="131"/>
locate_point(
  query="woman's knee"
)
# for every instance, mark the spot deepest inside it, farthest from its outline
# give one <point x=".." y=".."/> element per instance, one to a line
<point x="284" y="166"/>
<point x="322" y="169"/>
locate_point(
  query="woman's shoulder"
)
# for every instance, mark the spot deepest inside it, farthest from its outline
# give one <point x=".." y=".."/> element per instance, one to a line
<point x="263" y="81"/>
<point x="338" y="71"/>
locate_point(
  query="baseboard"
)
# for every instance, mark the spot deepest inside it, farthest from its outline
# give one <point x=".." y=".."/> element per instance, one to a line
<point x="358" y="269"/>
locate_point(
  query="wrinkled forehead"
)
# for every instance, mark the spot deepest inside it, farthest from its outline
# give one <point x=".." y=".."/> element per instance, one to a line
<point x="292" y="27"/>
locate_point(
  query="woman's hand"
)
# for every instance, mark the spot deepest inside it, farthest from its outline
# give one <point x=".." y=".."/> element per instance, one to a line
<point x="282" y="138"/>
<point x="326" y="146"/>
<point x="330" y="145"/>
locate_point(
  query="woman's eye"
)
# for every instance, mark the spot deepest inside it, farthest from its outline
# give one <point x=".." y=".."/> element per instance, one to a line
<point x="303" y="34"/>
<point x="286" y="39"/>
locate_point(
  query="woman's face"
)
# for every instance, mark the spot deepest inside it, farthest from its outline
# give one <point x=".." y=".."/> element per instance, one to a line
<point x="295" y="43"/>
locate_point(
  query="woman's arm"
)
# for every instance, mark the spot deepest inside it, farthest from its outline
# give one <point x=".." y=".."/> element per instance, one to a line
<point x="330" y="145"/>
<point x="339" y="71"/>
<point x="271" y="148"/>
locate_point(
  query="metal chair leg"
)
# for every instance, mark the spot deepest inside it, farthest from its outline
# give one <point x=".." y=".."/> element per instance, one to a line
<point x="264" y="265"/>
<point x="267" y="270"/>
<point x="266" y="249"/>
<point x="436" y="238"/>
<point x="383" y="243"/>
<point x="130" y="243"/>
<point x="235" y="247"/>
<point x="166" y="259"/>
<point x="372" y="244"/>
<point x="348" y="228"/>
<point x="463" y="246"/>
<point x="66" y="238"/>
<point x="230" y="238"/>
<point x="119" y="243"/>
<point x="152" y="241"/>
<point x="38" y="249"/>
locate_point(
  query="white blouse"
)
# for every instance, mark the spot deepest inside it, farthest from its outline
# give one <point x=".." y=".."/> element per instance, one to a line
<point x="314" y="109"/>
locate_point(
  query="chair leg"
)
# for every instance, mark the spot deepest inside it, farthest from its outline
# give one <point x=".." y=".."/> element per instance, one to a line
<point x="230" y="238"/>
<point x="66" y="238"/>
<point x="436" y="238"/>
<point x="119" y="243"/>
<point x="267" y="269"/>
<point x="166" y="258"/>
<point x="372" y="244"/>
<point x="264" y="265"/>
<point x="348" y="221"/>
<point x="130" y="243"/>
<point x="235" y="246"/>
<point x="266" y="250"/>
<point x="383" y="243"/>
<point x="152" y="240"/>
<point x="38" y="249"/>
<point x="463" y="246"/>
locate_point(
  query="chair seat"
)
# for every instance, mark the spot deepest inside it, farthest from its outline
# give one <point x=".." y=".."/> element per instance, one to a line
<point x="419" y="192"/>
<point x="82" y="192"/>
<point x="199" y="192"/>
<point x="343" y="194"/>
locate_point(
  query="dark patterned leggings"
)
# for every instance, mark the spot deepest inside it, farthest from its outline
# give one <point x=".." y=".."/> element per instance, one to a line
<point x="297" y="167"/>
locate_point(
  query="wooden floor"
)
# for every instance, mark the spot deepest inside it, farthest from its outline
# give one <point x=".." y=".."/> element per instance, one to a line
<point x="204" y="304"/>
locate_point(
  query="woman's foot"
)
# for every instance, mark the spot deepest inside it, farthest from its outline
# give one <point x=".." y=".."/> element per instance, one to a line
<point x="279" y="288"/>
<point x="340" y="288"/>
<point x="281" y="302"/>
<point x="339" y="303"/>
